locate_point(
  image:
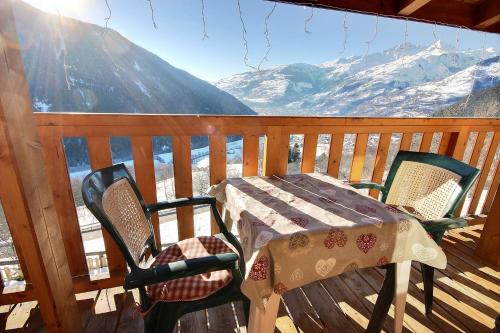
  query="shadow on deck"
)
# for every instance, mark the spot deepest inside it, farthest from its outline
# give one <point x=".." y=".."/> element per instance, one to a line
<point x="466" y="299"/>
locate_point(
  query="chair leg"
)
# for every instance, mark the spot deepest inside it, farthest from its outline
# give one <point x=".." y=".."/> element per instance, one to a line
<point x="246" y="309"/>
<point x="428" y="279"/>
<point x="384" y="300"/>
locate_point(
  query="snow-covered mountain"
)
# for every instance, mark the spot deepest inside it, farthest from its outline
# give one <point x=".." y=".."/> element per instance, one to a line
<point x="77" y="66"/>
<point x="406" y="81"/>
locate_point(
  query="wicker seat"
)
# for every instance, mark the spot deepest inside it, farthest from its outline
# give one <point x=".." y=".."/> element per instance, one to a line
<point x="430" y="187"/>
<point x="191" y="275"/>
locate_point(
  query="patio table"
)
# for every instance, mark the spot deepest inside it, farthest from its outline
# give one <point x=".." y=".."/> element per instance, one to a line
<point x="297" y="229"/>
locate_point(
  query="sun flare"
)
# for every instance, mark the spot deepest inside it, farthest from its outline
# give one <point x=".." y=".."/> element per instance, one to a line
<point x="58" y="6"/>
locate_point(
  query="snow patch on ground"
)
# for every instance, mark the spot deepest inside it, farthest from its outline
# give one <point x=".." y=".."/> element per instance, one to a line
<point x="142" y="87"/>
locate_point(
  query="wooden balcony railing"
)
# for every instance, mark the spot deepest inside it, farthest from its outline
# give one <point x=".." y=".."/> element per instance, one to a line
<point x="476" y="138"/>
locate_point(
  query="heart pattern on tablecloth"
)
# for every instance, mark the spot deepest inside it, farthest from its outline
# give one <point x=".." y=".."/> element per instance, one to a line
<point x="404" y="226"/>
<point x="297" y="275"/>
<point x="300" y="221"/>
<point x="335" y="237"/>
<point x="297" y="240"/>
<point x="364" y="209"/>
<point x="258" y="272"/>
<point x="366" y="241"/>
<point x="280" y="288"/>
<point x="392" y="209"/>
<point x="424" y="253"/>
<point x="324" y="267"/>
<point x="382" y="261"/>
<point x="262" y="239"/>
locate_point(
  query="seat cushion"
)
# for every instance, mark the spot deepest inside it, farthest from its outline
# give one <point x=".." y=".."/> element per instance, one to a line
<point x="191" y="287"/>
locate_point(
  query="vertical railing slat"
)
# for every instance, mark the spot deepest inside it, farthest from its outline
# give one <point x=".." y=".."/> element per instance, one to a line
<point x="478" y="145"/>
<point x="142" y="152"/>
<point x="57" y="170"/>
<point x="460" y="143"/>
<point x="335" y="155"/>
<point x="217" y="151"/>
<point x="358" y="158"/>
<point x="425" y="145"/>
<point x="309" y="152"/>
<point x="443" y="144"/>
<point x="484" y="173"/>
<point x="250" y="155"/>
<point x="181" y="151"/>
<point x="100" y="157"/>
<point x="406" y="141"/>
<point x="276" y="152"/>
<point x="491" y="193"/>
<point x="380" y="161"/>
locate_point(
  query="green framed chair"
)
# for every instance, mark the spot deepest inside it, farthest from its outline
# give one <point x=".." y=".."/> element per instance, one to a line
<point x="191" y="275"/>
<point x="430" y="187"/>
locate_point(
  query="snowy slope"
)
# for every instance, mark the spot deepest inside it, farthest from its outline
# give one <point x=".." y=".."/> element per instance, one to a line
<point x="389" y="83"/>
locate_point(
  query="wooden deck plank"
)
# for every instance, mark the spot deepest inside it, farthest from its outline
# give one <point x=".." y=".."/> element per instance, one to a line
<point x="194" y="322"/>
<point x="221" y="319"/>
<point x="332" y="317"/>
<point x="303" y="314"/>
<point x="466" y="300"/>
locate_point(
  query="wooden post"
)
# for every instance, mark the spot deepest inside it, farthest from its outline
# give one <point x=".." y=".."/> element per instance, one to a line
<point x="488" y="248"/>
<point x="21" y="160"/>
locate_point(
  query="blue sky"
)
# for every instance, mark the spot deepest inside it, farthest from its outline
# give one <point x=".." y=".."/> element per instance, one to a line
<point x="178" y="38"/>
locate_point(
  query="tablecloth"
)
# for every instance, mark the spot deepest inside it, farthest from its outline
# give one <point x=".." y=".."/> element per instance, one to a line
<point x="297" y="229"/>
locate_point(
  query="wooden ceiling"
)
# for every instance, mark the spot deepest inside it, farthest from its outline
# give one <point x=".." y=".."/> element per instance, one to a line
<point x="483" y="15"/>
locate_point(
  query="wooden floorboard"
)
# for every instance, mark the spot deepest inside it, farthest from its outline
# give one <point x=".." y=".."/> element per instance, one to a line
<point x="467" y="299"/>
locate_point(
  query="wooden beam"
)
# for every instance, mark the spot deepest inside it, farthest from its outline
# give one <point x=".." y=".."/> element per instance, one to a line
<point x="218" y="168"/>
<point x="250" y="155"/>
<point x="22" y="161"/>
<point x="408" y="7"/>
<point x="445" y="12"/>
<point x="488" y="248"/>
<point x="487" y="14"/>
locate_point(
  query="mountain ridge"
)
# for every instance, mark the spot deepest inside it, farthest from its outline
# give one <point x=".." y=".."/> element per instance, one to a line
<point x="396" y="82"/>
<point x="74" y="66"/>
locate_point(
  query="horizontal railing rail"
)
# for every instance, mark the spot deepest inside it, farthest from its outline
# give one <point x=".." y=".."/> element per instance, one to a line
<point x="358" y="148"/>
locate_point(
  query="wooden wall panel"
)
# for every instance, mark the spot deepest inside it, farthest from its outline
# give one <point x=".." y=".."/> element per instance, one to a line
<point x="100" y="157"/>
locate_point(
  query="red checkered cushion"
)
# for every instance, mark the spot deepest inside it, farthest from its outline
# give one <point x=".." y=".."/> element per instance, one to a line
<point x="191" y="287"/>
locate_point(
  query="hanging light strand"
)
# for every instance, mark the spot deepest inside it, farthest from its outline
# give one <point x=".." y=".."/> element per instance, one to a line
<point x="476" y="67"/>
<point x="266" y="34"/>
<point x="345" y="27"/>
<point x="152" y="13"/>
<point x="434" y="33"/>
<point x="107" y="18"/>
<point x="205" y="35"/>
<point x="244" y="36"/>
<point x="457" y="46"/>
<point x="368" y="43"/>
<point x="306" y="22"/>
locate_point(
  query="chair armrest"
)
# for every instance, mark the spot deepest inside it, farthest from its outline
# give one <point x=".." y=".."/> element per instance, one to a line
<point x="179" y="203"/>
<point x="368" y="185"/>
<point x="444" y="224"/>
<point x="179" y="269"/>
